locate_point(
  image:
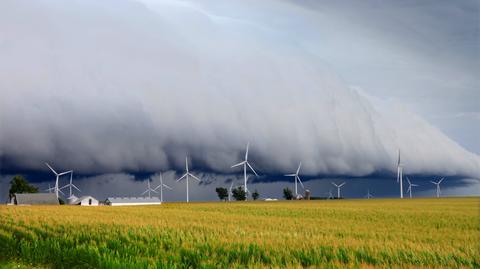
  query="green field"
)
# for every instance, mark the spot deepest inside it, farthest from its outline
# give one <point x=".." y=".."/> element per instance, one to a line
<point x="430" y="233"/>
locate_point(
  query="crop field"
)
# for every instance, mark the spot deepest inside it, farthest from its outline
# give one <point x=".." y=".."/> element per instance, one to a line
<point x="429" y="233"/>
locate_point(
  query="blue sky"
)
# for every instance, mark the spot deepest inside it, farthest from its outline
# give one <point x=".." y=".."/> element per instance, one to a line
<point x="127" y="87"/>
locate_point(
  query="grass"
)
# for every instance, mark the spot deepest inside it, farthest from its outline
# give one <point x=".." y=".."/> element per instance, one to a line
<point x="429" y="233"/>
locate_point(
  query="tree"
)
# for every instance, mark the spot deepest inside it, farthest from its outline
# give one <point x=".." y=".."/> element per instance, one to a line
<point x="239" y="194"/>
<point x="19" y="184"/>
<point x="287" y="193"/>
<point x="255" y="195"/>
<point x="222" y="193"/>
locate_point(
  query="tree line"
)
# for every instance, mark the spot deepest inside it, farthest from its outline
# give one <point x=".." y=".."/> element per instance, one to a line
<point x="239" y="194"/>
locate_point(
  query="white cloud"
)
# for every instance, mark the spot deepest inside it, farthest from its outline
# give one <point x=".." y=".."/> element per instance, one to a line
<point x="115" y="86"/>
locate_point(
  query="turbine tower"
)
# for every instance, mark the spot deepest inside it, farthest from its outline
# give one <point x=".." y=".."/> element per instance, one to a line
<point x="56" y="188"/>
<point x="50" y="189"/>
<point x="230" y="192"/>
<point x="71" y="185"/>
<point x="161" y="187"/>
<point x="149" y="190"/>
<point x="245" y="164"/>
<point x="187" y="175"/>
<point x="297" y="178"/>
<point x="338" y="188"/>
<point x="400" y="175"/>
<point x="410" y="185"/>
<point x="438" y="186"/>
<point x="368" y="196"/>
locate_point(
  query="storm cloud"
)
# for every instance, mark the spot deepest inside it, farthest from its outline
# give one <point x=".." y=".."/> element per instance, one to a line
<point x="127" y="86"/>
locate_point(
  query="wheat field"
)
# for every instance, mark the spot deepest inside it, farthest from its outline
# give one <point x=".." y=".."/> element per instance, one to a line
<point x="376" y="233"/>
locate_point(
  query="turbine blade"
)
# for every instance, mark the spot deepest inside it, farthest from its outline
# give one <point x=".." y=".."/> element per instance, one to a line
<point x="290" y="175"/>
<point x="144" y="192"/>
<point x="167" y="187"/>
<point x="154" y="191"/>
<point x="61" y="192"/>
<point x="66" y="186"/>
<point x="341" y="184"/>
<point x="334" y="184"/>
<point x="300" y="182"/>
<point x="182" y="177"/>
<point x="409" y="181"/>
<point x="76" y="188"/>
<point x="298" y="170"/>
<point x="253" y="170"/>
<point x="433" y="182"/>
<point x="238" y="164"/>
<point x="55" y="172"/>
<point x="64" y="173"/>
<point x="199" y="180"/>
<point x="246" y="152"/>
<point x="441" y="180"/>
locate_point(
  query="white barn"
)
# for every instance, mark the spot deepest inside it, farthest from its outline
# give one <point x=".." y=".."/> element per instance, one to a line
<point x="124" y="201"/>
<point x="84" y="201"/>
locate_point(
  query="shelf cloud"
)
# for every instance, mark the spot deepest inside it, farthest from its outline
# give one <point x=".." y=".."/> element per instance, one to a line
<point x="128" y="86"/>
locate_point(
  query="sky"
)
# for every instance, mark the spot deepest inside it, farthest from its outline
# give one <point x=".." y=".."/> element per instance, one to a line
<point x="121" y="90"/>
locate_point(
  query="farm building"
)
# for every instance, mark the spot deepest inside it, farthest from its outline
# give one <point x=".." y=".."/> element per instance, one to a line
<point x="84" y="201"/>
<point x="122" y="201"/>
<point x="72" y="199"/>
<point x="35" y="199"/>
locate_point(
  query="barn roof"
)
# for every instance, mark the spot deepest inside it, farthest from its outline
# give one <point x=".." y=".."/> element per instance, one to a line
<point x="86" y="197"/>
<point x="36" y="199"/>
<point x="133" y="200"/>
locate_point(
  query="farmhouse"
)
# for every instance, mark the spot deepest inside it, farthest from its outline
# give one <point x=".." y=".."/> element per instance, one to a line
<point x="35" y="199"/>
<point x="84" y="201"/>
<point x="122" y="201"/>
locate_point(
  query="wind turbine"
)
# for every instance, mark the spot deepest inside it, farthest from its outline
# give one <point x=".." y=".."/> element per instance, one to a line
<point x="71" y="185"/>
<point x="368" y="196"/>
<point x="50" y="189"/>
<point x="149" y="190"/>
<point x="230" y="192"/>
<point x="330" y="195"/>
<point x="161" y="187"/>
<point x="338" y="188"/>
<point x="400" y="175"/>
<point x="245" y="164"/>
<point x="297" y="178"/>
<point x="186" y="175"/>
<point x="410" y="185"/>
<point x="438" y="186"/>
<point x="56" y="189"/>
